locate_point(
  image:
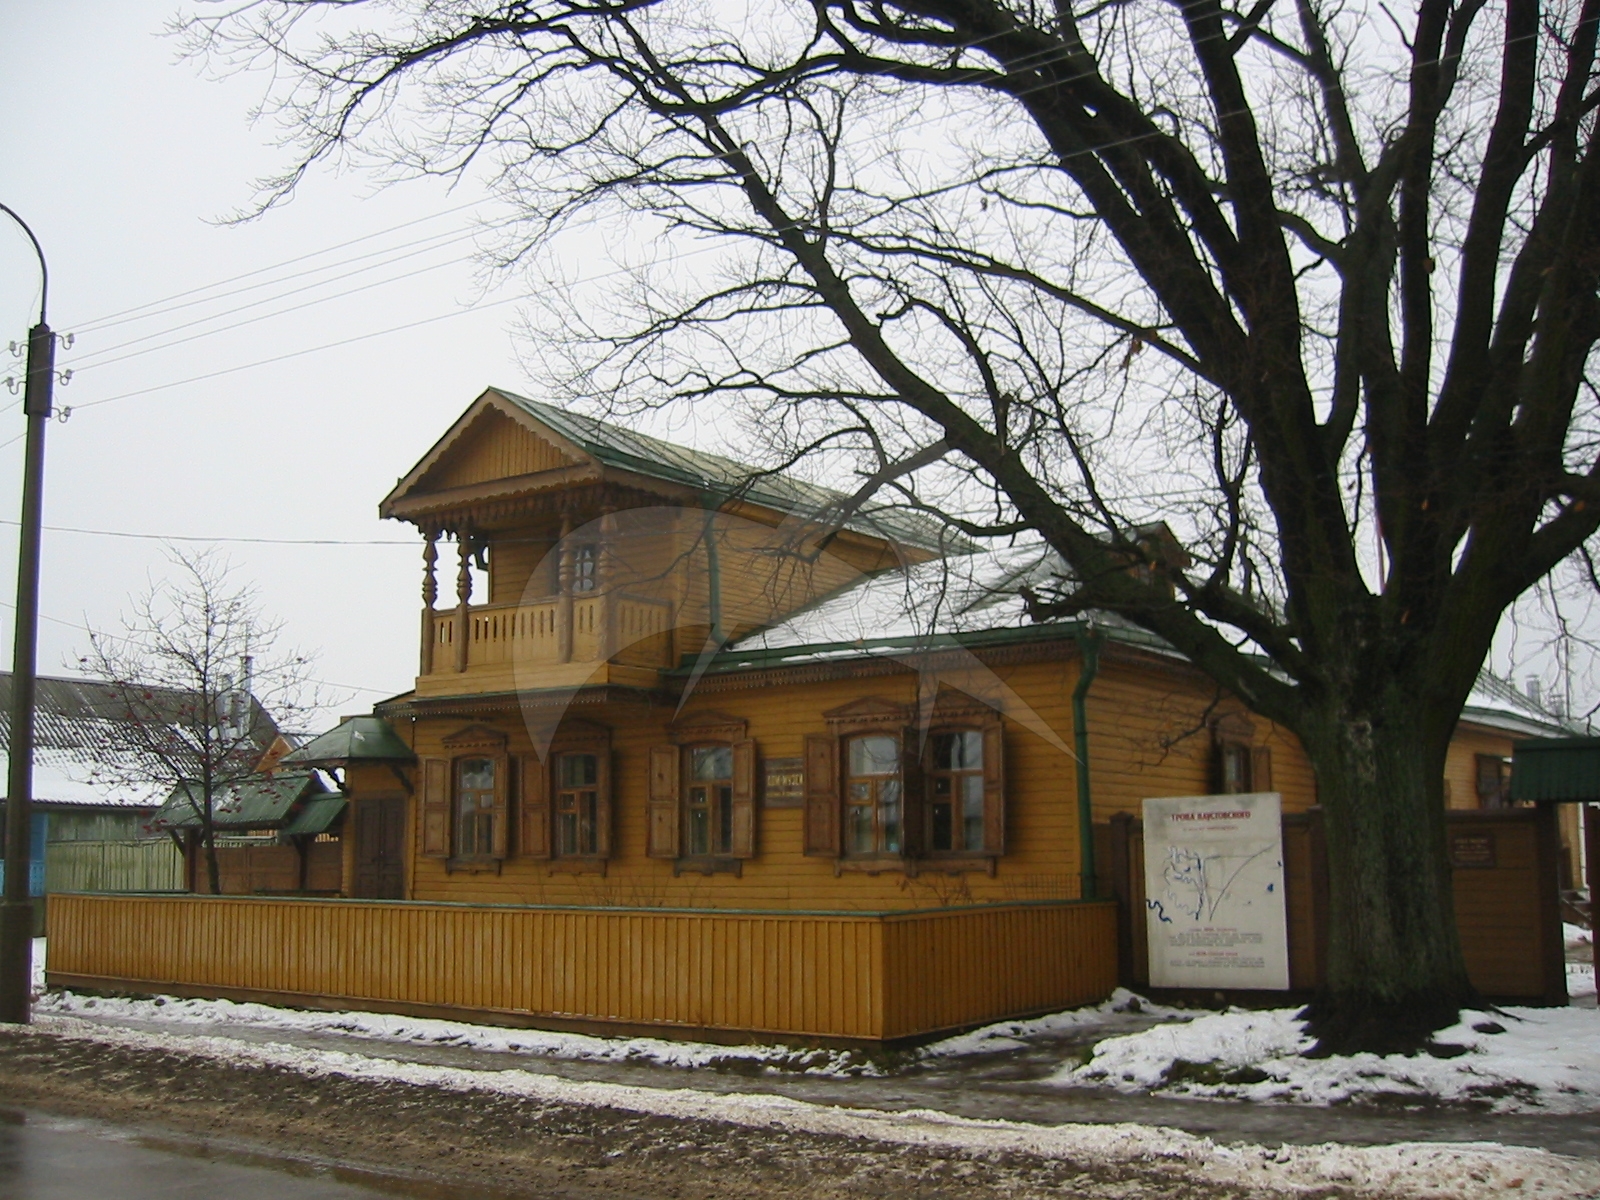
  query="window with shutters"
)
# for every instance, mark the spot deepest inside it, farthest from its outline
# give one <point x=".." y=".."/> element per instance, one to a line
<point x="1238" y="764"/>
<point x="880" y="791"/>
<point x="476" y="809"/>
<point x="702" y="795"/>
<point x="873" y="792"/>
<point x="708" y="801"/>
<point x="955" y="792"/>
<point x="577" y="807"/>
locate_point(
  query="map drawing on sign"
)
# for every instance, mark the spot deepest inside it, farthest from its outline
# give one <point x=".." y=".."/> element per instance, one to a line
<point x="1199" y="884"/>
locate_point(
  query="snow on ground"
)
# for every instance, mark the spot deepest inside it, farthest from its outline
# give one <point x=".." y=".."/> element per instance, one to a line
<point x="1013" y="1035"/>
<point x="1514" y="1059"/>
<point x="171" y="1010"/>
<point x="1425" y="1171"/>
<point x="1576" y="936"/>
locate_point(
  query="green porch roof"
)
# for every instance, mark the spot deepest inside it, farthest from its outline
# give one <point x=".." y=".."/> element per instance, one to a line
<point x="258" y="803"/>
<point x="315" y="816"/>
<point x="1556" y="769"/>
<point x="359" y="739"/>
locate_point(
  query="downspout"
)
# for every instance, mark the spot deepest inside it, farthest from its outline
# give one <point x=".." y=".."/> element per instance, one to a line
<point x="713" y="571"/>
<point x="1088" y="667"/>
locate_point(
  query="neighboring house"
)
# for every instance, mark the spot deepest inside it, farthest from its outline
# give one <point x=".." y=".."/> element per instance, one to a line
<point x="276" y="833"/>
<point x="711" y="751"/>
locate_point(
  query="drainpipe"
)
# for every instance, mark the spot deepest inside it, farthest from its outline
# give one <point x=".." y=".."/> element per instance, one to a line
<point x="713" y="571"/>
<point x="1088" y="667"/>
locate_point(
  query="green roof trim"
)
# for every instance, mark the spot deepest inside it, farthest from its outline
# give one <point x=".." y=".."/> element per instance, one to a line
<point x="315" y="816"/>
<point x="260" y="803"/>
<point x="357" y="740"/>
<point x="1554" y="769"/>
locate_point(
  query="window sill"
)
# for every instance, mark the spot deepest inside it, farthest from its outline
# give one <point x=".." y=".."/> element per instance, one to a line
<point x="936" y="864"/>
<point x="713" y="865"/>
<point x="577" y="866"/>
<point x="472" y="866"/>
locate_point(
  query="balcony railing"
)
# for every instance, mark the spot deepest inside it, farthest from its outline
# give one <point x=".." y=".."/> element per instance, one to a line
<point x="624" y="629"/>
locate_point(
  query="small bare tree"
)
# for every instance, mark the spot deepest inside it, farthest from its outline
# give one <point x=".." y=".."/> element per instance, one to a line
<point x="199" y="690"/>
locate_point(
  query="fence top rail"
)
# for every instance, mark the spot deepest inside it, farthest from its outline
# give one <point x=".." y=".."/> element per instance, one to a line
<point x="629" y="910"/>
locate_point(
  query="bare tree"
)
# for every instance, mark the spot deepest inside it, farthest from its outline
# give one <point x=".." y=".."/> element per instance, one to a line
<point x="1313" y="282"/>
<point x="197" y="690"/>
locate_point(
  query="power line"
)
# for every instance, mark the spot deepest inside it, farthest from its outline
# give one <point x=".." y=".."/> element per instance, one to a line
<point x="178" y="537"/>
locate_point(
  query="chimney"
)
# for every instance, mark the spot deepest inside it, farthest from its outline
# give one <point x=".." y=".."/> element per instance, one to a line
<point x="1533" y="689"/>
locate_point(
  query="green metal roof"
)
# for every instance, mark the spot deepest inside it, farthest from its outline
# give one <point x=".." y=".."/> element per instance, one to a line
<point x="259" y="803"/>
<point x="1556" y="769"/>
<point x="315" y="816"/>
<point x="359" y="739"/>
<point x="630" y="450"/>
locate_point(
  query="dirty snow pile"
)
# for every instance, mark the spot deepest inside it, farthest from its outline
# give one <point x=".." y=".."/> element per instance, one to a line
<point x="1511" y="1059"/>
<point x="1580" y="974"/>
<point x="383" y="1027"/>
<point x="1121" y="1008"/>
<point x="1423" y="1171"/>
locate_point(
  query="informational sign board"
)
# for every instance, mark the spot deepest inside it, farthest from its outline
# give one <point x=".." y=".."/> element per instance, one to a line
<point x="1213" y="877"/>
<point x="783" y="783"/>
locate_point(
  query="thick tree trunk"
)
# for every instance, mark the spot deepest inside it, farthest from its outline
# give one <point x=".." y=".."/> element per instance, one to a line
<point x="213" y="872"/>
<point x="1395" y="971"/>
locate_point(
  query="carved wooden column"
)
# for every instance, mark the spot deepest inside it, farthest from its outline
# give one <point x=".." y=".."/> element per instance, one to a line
<point x="564" y="589"/>
<point x="430" y="593"/>
<point x="605" y="585"/>
<point x="463" y="594"/>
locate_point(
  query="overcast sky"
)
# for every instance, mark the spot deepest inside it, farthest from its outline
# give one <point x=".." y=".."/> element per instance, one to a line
<point x="123" y="160"/>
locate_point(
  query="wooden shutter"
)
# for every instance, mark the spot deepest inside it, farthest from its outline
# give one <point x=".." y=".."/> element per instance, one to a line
<point x="744" y="800"/>
<point x="1261" y="769"/>
<point x="913" y="791"/>
<point x="500" y="831"/>
<point x="602" y="799"/>
<point x="665" y="819"/>
<point x="994" y="788"/>
<point x="436" y="807"/>
<point x="822" y="795"/>
<point x="533" y="813"/>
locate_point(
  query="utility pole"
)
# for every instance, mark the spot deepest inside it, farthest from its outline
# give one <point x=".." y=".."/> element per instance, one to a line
<point x="16" y="910"/>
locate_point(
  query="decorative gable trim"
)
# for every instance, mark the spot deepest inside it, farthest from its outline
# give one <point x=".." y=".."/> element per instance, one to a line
<point x="872" y="712"/>
<point x="476" y="737"/>
<point x="410" y="483"/>
<point x="708" y="727"/>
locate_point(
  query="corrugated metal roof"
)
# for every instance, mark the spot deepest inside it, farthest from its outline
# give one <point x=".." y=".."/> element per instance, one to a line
<point x="630" y="450"/>
<point x="359" y="739"/>
<point x="1556" y="769"/>
<point x="315" y="815"/>
<point x="261" y="802"/>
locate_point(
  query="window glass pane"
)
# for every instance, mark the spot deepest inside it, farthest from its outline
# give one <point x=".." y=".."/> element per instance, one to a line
<point x="941" y="825"/>
<point x="859" y="834"/>
<point x="724" y="820"/>
<point x="958" y="751"/>
<point x="876" y="755"/>
<point x="477" y="773"/>
<point x="567" y="833"/>
<point x="579" y="770"/>
<point x="972" y="811"/>
<point x="889" y="814"/>
<point x="711" y="762"/>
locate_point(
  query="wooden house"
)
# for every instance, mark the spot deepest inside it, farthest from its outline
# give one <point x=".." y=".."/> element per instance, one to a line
<point x="700" y="749"/>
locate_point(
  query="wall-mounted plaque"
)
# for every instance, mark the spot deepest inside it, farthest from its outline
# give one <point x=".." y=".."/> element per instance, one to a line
<point x="1472" y="850"/>
<point x="783" y="783"/>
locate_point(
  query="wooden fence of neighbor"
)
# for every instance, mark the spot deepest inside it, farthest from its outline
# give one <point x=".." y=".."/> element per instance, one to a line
<point x="93" y="866"/>
<point x="1506" y="899"/>
<point x="832" y="977"/>
<point x="253" y="870"/>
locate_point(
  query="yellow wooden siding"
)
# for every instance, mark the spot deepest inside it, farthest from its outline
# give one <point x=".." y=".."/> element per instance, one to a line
<point x="493" y="447"/>
<point x="850" y="976"/>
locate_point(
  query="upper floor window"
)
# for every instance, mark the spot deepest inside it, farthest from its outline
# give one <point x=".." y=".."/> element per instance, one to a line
<point x="873" y="795"/>
<point x="577" y="805"/>
<point x="476" y="808"/>
<point x="585" y="567"/>
<point x="1494" y="781"/>
<point x="708" y="806"/>
<point x="955" y="787"/>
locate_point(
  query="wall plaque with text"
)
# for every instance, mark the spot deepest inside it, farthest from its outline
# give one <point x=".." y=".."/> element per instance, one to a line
<point x="1472" y="850"/>
<point x="783" y="783"/>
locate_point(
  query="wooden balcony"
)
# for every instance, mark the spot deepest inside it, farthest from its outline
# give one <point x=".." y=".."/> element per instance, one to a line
<point x="556" y="641"/>
<point x="852" y="977"/>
